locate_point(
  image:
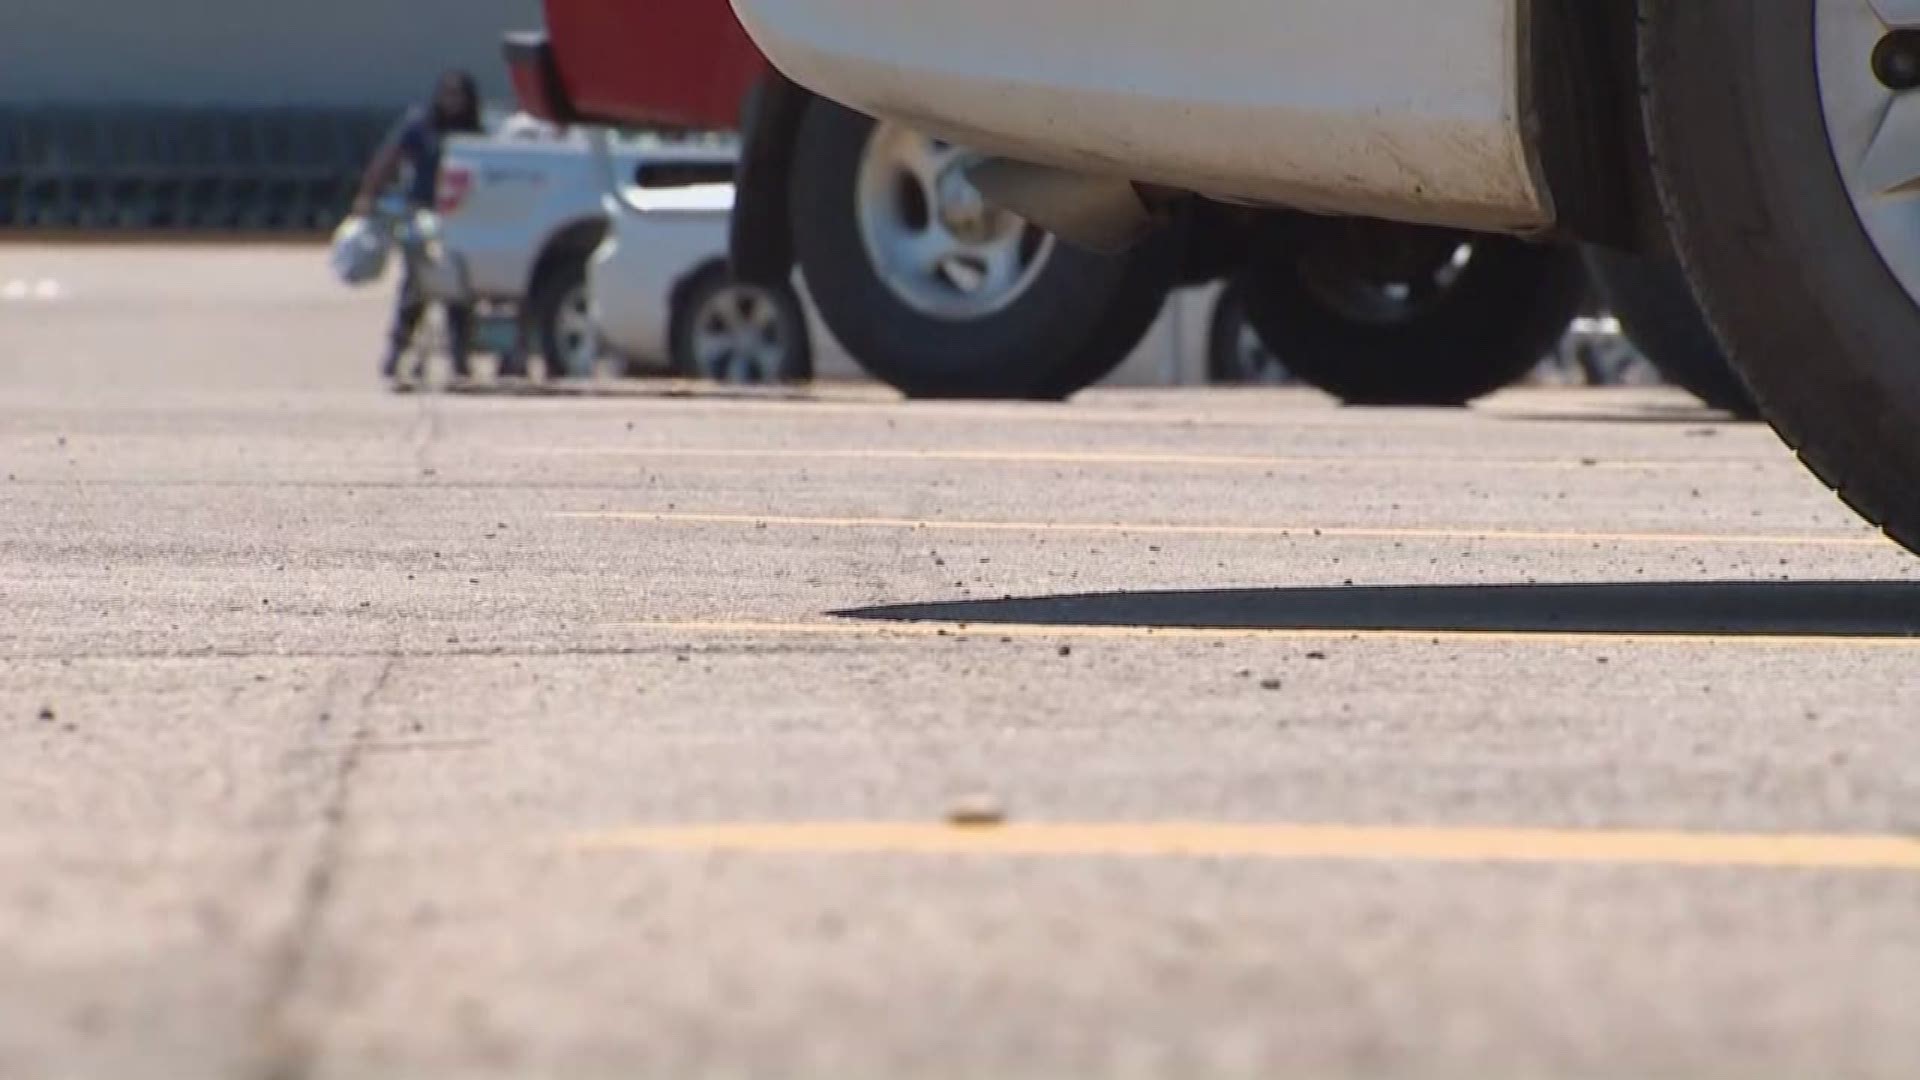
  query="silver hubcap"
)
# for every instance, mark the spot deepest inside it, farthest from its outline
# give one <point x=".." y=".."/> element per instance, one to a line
<point x="1256" y="364"/>
<point x="939" y="246"/>
<point x="1869" y="67"/>
<point x="739" y="336"/>
<point x="574" y="334"/>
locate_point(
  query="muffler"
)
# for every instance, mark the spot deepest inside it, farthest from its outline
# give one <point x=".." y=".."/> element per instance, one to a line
<point x="1102" y="214"/>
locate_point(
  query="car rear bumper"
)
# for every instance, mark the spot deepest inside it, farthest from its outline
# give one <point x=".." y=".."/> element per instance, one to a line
<point x="1405" y="109"/>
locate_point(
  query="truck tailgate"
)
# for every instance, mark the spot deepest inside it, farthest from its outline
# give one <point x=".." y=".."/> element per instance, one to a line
<point x="645" y="63"/>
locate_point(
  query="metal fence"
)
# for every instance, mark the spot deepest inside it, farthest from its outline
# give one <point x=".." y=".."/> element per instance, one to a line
<point x="174" y="169"/>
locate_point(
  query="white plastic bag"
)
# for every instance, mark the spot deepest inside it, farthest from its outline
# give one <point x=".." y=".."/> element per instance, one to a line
<point x="359" y="255"/>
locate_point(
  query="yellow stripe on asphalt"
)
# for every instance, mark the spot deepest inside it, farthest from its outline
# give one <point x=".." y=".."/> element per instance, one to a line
<point x="1278" y="532"/>
<point x="1148" y="458"/>
<point x="878" y="628"/>
<point x="1246" y="409"/>
<point x="1320" y="843"/>
<point x="691" y="397"/>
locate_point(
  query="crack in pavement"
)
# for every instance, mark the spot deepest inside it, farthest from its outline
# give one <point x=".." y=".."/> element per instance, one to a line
<point x="287" y="1053"/>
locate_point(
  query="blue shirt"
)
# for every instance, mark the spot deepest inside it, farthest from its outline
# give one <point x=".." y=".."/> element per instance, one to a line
<point x="420" y="145"/>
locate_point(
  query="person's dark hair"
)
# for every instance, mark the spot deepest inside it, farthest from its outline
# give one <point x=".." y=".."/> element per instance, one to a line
<point x="466" y="118"/>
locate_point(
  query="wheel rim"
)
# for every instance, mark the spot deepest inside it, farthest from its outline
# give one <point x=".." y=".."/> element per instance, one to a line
<point x="1868" y="55"/>
<point x="739" y="336"/>
<point x="935" y="242"/>
<point x="574" y="335"/>
<point x="1382" y="274"/>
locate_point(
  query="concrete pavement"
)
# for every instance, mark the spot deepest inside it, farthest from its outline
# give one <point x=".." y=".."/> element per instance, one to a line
<point x="618" y="733"/>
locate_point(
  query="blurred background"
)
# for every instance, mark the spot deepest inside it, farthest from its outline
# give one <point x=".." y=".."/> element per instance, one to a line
<point x="219" y="114"/>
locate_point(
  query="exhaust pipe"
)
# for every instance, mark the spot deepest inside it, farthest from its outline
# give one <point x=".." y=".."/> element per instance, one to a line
<point x="1104" y="215"/>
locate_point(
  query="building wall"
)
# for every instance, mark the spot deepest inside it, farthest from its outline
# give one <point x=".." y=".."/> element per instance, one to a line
<point x="249" y="52"/>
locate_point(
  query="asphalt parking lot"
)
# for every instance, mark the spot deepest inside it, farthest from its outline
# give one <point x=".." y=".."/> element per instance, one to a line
<point x="656" y="730"/>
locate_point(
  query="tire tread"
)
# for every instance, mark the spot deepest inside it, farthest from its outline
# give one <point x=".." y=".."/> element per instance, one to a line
<point x="1811" y="420"/>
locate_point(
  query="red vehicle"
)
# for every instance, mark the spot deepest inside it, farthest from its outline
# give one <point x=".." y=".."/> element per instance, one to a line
<point x="674" y="63"/>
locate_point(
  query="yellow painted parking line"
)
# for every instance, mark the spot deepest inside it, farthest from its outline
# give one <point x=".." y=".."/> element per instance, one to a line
<point x="1290" y="409"/>
<point x="881" y="628"/>
<point x="1279" y="842"/>
<point x="1151" y="458"/>
<point x="689" y="398"/>
<point x="1279" y="532"/>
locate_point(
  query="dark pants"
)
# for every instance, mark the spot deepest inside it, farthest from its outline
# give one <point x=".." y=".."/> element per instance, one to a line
<point x="408" y="310"/>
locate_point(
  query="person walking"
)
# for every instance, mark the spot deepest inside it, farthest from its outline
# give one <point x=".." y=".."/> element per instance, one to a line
<point x="411" y="156"/>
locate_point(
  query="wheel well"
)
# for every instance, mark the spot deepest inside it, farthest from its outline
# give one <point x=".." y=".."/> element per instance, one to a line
<point x="1582" y="110"/>
<point x="576" y="239"/>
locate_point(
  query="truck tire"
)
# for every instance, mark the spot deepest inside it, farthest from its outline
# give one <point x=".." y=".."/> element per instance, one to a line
<point x="941" y="296"/>
<point x="1378" y="313"/>
<point x="1135" y="306"/>
<point x="735" y="332"/>
<point x="559" y="317"/>
<point x="1785" y="143"/>
<point x="1655" y="306"/>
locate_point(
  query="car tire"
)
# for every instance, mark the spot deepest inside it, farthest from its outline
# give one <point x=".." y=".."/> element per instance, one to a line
<point x="1654" y="303"/>
<point x="1751" y="138"/>
<point x="559" y="317"/>
<point x="1066" y="319"/>
<point x="731" y="331"/>
<point x="1136" y="305"/>
<point x="1349" y="313"/>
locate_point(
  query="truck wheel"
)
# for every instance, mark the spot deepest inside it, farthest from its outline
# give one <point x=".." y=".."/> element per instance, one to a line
<point x="562" y="319"/>
<point x="730" y="331"/>
<point x="1785" y="141"/>
<point x="1235" y="354"/>
<point x="1656" y="308"/>
<point x="941" y="295"/>
<point x="1378" y="313"/>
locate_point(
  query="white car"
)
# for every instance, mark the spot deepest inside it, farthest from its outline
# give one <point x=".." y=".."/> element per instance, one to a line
<point x="522" y="210"/>
<point x="661" y="292"/>
<point x="1773" y="146"/>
